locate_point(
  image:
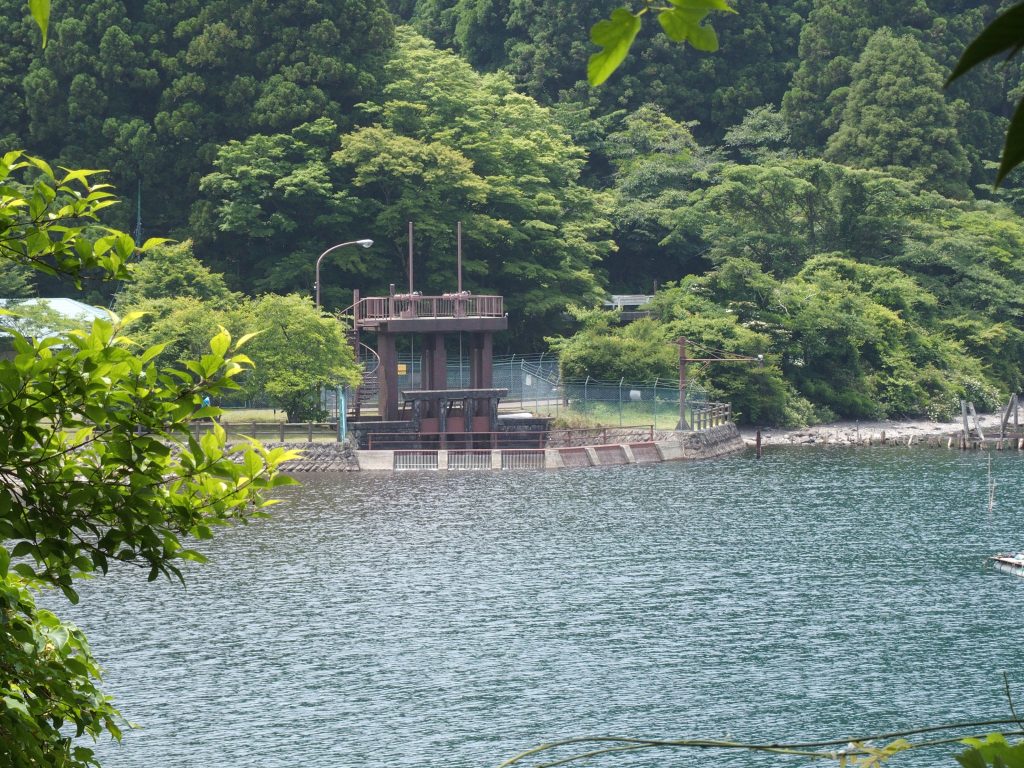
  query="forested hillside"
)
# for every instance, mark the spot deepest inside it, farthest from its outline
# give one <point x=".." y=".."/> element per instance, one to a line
<point x="810" y="192"/>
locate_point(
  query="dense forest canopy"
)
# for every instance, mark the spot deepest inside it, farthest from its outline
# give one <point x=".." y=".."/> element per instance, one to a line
<point x="811" y="192"/>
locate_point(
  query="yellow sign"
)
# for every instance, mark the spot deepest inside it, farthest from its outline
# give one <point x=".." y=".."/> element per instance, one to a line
<point x="402" y="369"/>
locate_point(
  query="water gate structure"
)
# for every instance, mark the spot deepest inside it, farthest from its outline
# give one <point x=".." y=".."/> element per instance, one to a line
<point x="434" y="416"/>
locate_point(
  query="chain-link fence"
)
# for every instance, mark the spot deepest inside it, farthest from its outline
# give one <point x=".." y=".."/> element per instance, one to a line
<point x="535" y="384"/>
<point x="610" y="402"/>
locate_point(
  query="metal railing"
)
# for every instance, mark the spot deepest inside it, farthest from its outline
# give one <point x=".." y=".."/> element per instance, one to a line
<point x="454" y="441"/>
<point x="522" y="459"/>
<point x="469" y="460"/>
<point x="403" y="306"/>
<point x="415" y="460"/>
<point x="468" y="441"/>
<point x="569" y="438"/>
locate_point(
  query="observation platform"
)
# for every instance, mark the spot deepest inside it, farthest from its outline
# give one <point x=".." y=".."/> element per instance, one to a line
<point x="415" y="313"/>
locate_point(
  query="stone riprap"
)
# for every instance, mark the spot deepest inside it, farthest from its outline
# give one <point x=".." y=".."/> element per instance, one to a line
<point x="319" y="457"/>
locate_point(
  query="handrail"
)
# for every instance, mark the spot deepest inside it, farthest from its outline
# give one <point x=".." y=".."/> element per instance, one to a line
<point x="415" y="306"/>
<point x="564" y="438"/>
<point x="376" y="358"/>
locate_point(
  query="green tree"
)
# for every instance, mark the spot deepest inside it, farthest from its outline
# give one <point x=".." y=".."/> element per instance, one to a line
<point x="607" y="351"/>
<point x="541" y="46"/>
<point x="759" y="393"/>
<point x="762" y="135"/>
<point x="830" y="42"/>
<point x="781" y="213"/>
<point x="87" y="94"/>
<point x="181" y="302"/>
<point x="181" y="326"/>
<point x="16" y="280"/>
<point x="896" y="118"/>
<point x="494" y="159"/>
<point x="98" y="466"/>
<point x="150" y="89"/>
<point x="270" y="207"/>
<point x="297" y="350"/>
<point x="655" y="160"/>
<point x="447" y="145"/>
<point x="236" y="68"/>
<point x="173" y="272"/>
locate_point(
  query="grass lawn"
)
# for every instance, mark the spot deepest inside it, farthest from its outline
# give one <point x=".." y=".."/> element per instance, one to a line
<point x="250" y="415"/>
<point x="598" y="414"/>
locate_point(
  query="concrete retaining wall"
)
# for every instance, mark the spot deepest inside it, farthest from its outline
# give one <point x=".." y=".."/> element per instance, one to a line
<point x="669" y="446"/>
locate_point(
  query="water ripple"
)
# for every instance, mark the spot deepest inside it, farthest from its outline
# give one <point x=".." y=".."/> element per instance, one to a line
<point x="454" y="619"/>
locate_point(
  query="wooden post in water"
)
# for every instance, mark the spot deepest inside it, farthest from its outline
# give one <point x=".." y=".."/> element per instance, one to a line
<point x="963" y="417"/>
<point x="758" y="444"/>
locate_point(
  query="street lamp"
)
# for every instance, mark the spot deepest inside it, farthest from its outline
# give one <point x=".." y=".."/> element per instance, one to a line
<point x="316" y="285"/>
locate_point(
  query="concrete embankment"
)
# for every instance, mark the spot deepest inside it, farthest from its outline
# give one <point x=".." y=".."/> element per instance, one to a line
<point x="634" y="449"/>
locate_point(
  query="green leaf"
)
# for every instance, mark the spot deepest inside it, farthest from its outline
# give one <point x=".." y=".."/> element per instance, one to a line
<point x="219" y="344"/>
<point x="971" y="758"/>
<point x="78" y="174"/>
<point x="152" y="352"/>
<point x="69" y="593"/>
<point x="41" y="13"/>
<point x="677" y="23"/>
<point x="153" y="242"/>
<point x="16" y="704"/>
<point x="5" y="561"/>
<point x="704" y="39"/>
<point x="1004" y="33"/>
<point x="615" y="36"/>
<point x="1013" y="149"/>
<point x="191" y="554"/>
<point x="682" y="24"/>
<point x="59" y="636"/>
<point x="245" y="338"/>
<point x="703" y="6"/>
<point x="994" y="751"/>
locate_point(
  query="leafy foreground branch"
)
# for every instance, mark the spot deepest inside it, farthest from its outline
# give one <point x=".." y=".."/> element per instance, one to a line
<point x="97" y="466"/>
<point x="867" y="751"/>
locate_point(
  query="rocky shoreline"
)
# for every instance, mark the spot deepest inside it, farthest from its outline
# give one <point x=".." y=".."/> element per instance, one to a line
<point x="871" y="432"/>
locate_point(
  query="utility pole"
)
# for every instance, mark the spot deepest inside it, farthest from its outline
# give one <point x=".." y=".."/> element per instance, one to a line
<point x="683" y="423"/>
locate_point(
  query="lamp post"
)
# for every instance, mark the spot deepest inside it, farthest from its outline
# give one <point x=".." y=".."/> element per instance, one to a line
<point x="364" y="243"/>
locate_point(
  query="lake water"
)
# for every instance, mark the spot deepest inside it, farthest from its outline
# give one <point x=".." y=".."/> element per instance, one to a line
<point x="454" y="619"/>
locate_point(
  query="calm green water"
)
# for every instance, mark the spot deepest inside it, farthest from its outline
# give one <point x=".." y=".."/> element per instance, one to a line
<point x="454" y="619"/>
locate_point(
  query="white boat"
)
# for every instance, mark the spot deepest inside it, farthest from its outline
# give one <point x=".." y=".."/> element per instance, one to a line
<point x="1009" y="563"/>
